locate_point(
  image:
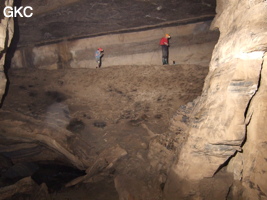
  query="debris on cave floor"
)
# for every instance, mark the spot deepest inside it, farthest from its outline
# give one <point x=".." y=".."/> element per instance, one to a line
<point x="114" y="122"/>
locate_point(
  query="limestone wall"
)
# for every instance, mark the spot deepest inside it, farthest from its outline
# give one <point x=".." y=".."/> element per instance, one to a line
<point x="228" y="121"/>
<point x="190" y="44"/>
<point x="6" y="34"/>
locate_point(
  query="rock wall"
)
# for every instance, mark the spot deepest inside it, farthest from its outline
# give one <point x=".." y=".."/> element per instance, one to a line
<point x="6" y="34"/>
<point x="252" y="163"/>
<point x="190" y="44"/>
<point x="227" y="121"/>
<point x="40" y="7"/>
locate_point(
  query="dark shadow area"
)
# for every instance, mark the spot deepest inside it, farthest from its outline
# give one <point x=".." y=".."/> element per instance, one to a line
<point x="2" y="6"/>
<point x="55" y="176"/>
<point x="225" y="164"/>
<point x="11" y="51"/>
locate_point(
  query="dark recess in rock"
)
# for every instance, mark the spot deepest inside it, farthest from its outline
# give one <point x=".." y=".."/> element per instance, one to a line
<point x="76" y="125"/>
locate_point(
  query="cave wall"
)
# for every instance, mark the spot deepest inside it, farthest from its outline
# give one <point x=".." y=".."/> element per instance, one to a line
<point x="227" y="124"/>
<point x="6" y="34"/>
<point x="190" y="44"/>
<point x="44" y="6"/>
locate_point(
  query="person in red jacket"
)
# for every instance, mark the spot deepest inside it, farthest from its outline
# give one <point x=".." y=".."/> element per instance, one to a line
<point x="164" y="43"/>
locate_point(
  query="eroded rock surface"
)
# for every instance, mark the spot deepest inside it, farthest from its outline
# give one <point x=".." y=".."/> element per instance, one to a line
<point x="6" y="34"/>
<point x="225" y="122"/>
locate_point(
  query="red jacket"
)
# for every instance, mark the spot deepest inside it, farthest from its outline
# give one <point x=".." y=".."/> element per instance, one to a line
<point x="164" y="41"/>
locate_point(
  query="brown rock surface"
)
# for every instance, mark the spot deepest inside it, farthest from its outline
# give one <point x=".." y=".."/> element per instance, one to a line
<point x="250" y="165"/>
<point x="225" y="120"/>
<point x="25" y="185"/>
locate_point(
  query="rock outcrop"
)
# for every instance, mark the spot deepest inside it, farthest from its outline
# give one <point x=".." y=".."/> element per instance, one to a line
<point x="227" y="122"/>
<point x="6" y="34"/>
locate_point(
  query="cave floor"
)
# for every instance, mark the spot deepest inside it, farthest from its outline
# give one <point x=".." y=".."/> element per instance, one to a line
<point x="91" y="111"/>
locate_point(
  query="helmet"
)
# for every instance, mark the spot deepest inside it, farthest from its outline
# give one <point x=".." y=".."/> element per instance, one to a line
<point x="167" y="36"/>
<point x="100" y="49"/>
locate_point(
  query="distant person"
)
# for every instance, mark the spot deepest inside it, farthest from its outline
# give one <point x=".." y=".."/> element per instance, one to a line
<point x="98" y="57"/>
<point x="164" y="43"/>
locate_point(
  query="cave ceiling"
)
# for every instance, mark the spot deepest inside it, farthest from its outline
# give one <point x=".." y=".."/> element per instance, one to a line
<point x="54" y="21"/>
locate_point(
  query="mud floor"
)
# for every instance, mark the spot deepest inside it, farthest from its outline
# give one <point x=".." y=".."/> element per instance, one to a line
<point x="129" y="106"/>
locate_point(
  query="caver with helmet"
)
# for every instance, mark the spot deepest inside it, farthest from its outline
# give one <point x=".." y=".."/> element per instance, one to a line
<point x="164" y="43"/>
<point x="98" y="56"/>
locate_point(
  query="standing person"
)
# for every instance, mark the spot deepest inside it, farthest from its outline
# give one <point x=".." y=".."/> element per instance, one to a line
<point x="98" y="57"/>
<point x="164" y="43"/>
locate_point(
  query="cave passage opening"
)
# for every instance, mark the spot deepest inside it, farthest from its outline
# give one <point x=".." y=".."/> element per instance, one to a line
<point x="112" y="122"/>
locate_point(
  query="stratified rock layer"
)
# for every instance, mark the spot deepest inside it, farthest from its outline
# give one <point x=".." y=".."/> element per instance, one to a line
<point x="230" y="113"/>
<point x="190" y="44"/>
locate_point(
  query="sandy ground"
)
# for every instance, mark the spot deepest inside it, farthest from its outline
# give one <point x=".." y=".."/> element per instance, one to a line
<point x="126" y="105"/>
